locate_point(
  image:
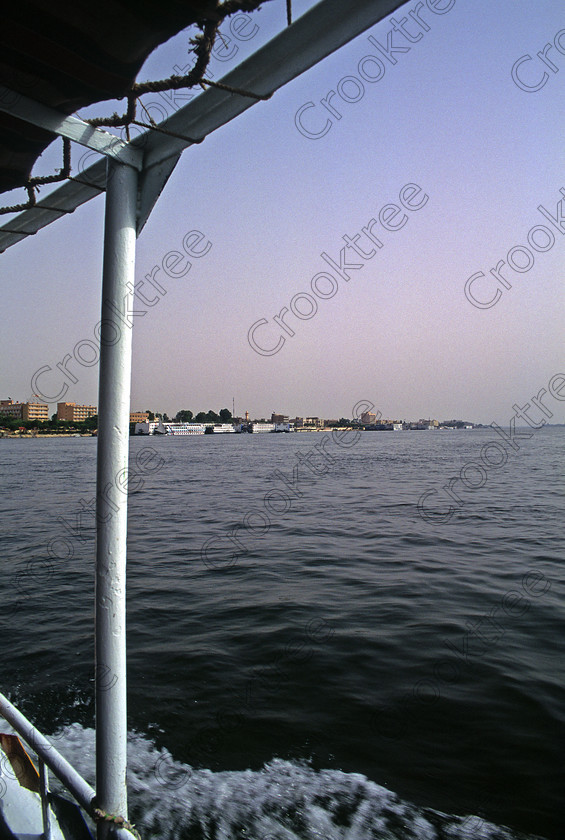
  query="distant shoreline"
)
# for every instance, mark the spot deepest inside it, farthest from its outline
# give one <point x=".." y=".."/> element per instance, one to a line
<point x="44" y="436"/>
<point x="29" y="436"/>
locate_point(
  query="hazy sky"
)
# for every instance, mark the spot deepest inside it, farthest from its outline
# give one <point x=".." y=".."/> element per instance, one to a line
<point x="447" y="116"/>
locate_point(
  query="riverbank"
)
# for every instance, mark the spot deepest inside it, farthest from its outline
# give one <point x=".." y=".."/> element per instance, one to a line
<point x="44" y="435"/>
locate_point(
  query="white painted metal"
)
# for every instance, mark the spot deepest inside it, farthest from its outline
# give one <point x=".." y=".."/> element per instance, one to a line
<point x="151" y="183"/>
<point x="319" y="32"/>
<point x="80" y="789"/>
<point x="44" y="790"/>
<point x="61" y="201"/>
<point x="111" y="489"/>
<point x="20" y="812"/>
<point x="322" y="30"/>
<point x="70" y="127"/>
<point x="326" y="27"/>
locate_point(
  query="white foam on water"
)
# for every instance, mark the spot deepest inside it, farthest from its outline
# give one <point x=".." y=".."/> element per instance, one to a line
<point x="284" y="800"/>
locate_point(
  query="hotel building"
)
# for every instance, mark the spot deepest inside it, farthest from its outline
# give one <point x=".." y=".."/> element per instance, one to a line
<point x="24" y="411"/>
<point x="138" y="417"/>
<point x="75" y="413"/>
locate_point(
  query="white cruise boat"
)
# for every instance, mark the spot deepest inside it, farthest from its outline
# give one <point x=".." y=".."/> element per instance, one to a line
<point x="184" y="428"/>
<point x="221" y="429"/>
<point x="262" y="427"/>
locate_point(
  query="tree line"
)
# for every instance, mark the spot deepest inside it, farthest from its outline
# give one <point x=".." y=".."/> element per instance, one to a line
<point x="53" y="425"/>
<point x="186" y="416"/>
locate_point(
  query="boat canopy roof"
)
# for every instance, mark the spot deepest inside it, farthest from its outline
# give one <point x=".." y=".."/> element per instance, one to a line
<point x="63" y="56"/>
<point x="73" y="53"/>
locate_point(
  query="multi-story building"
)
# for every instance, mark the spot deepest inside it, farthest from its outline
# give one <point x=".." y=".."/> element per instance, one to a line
<point x="368" y="418"/>
<point x="138" y="417"/>
<point x="75" y="413"/>
<point x="8" y="408"/>
<point x="280" y="418"/>
<point x="35" y="411"/>
<point x="24" y="411"/>
<point x="428" y="424"/>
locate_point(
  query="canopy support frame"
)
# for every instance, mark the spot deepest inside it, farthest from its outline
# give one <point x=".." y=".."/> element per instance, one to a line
<point x="73" y="128"/>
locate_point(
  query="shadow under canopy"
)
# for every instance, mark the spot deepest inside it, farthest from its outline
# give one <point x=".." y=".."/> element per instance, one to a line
<point x="74" y="53"/>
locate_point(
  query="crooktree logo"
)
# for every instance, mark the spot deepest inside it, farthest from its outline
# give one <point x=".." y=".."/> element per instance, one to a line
<point x="314" y="120"/>
<point x="493" y="455"/>
<point x="358" y="249"/>
<point x="218" y="551"/>
<point x="530" y="74"/>
<point x="520" y="259"/>
<point x="149" y="290"/>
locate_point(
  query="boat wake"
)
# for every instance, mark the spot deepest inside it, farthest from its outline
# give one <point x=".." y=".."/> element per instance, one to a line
<point x="284" y="800"/>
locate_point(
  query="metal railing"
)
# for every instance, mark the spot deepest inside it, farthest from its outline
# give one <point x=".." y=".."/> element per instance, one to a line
<point x="48" y="757"/>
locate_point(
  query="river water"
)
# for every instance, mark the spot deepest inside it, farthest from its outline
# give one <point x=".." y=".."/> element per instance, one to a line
<point x="310" y="655"/>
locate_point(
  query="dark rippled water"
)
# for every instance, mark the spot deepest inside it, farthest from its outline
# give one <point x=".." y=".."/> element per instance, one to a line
<point x="340" y="668"/>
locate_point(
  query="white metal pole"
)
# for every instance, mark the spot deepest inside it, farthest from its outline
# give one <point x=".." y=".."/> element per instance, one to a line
<point x="111" y="488"/>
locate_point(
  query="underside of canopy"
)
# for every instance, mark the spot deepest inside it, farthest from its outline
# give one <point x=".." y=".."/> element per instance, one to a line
<point x="319" y="32"/>
<point x="72" y="53"/>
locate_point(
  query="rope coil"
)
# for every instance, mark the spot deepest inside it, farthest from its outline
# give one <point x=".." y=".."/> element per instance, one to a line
<point x="119" y="822"/>
<point x="202" y="45"/>
<point x="32" y="184"/>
